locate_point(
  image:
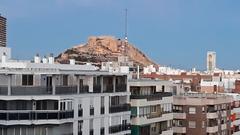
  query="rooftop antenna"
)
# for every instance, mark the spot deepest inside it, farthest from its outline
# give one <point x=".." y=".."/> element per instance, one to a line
<point x="126" y="25"/>
<point x="124" y="46"/>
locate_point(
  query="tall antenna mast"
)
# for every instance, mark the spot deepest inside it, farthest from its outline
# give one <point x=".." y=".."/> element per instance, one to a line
<point x="126" y="38"/>
<point x="126" y="11"/>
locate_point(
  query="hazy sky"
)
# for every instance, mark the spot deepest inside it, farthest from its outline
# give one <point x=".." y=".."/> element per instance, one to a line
<point x="170" y="32"/>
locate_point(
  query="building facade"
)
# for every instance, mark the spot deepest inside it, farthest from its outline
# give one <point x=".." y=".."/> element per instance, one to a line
<point x="211" y="61"/>
<point x="235" y="113"/>
<point x="202" y="114"/>
<point x="3" y="31"/>
<point x="43" y="98"/>
<point x="151" y="107"/>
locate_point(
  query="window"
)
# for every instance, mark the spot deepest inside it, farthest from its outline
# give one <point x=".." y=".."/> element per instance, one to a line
<point x="203" y="124"/>
<point x="177" y="108"/>
<point x="192" y="124"/>
<point x="163" y="88"/>
<point x="192" y="110"/>
<point x="80" y="126"/>
<point x="102" y="101"/>
<point x="154" y="128"/>
<point x="91" y="127"/>
<point x="203" y="109"/>
<point x="178" y="123"/>
<point x="153" y="109"/>
<point x="27" y="79"/>
<point x="65" y="80"/>
<point x="144" y="111"/>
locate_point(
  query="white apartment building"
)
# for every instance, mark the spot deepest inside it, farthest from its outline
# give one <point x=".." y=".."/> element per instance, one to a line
<point x="151" y="107"/>
<point x="211" y="61"/>
<point x="44" y="98"/>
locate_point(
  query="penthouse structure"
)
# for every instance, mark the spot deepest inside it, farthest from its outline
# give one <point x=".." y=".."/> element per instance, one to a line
<point x="151" y="107"/>
<point x="3" y="31"/>
<point x="44" y="98"/>
<point x="202" y="114"/>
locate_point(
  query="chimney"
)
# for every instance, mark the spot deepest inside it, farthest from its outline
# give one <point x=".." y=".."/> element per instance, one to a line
<point x="51" y="59"/>
<point x="4" y="58"/>
<point x="44" y="60"/>
<point x="72" y="61"/>
<point x="37" y="58"/>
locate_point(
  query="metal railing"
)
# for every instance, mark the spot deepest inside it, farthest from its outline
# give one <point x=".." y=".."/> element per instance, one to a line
<point x="3" y="90"/>
<point x="97" y="88"/>
<point x="66" y="89"/>
<point x="150" y="97"/>
<point x="35" y="115"/>
<point x="119" y="108"/>
<point x="121" y="87"/>
<point x="108" y="88"/>
<point x="119" y="128"/>
<point x="84" y="89"/>
<point x="30" y="90"/>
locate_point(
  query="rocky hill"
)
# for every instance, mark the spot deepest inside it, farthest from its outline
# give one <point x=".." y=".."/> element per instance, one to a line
<point x="104" y="48"/>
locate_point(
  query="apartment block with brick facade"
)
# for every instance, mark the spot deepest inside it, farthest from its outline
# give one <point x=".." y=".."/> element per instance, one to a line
<point x="202" y="114"/>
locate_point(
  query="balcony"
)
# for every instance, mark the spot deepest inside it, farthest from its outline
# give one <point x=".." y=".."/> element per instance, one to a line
<point x="179" y="115"/>
<point x="212" y="129"/>
<point x="121" y="87"/>
<point x="211" y="109"/>
<point x="35" y="115"/>
<point x="108" y="88"/>
<point x="180" y="130"/>
<point x="96" y="88"/>
<point x="31" y="90"/>
<point x="151" y="97"/>
<point x="66" y="89"/>
<point x="119" y="108"/>
<point x="84" y="89"/>
<point x="3" y="90"/>
<point x="119" y="128"/>
<point x="212" y="115"/>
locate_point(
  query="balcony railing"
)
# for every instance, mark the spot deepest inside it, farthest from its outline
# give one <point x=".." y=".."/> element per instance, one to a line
<point x="119" y="108"/>
<point x="35" y="115"/>
<point x="151" y="97"/>
<point x="66" y="89"/>
<point x="121" y="87"/>
<point x="96" y="88"/>
<point x="108" y="88"/>
<point x="119" y="128"/>
<point x="3" y="90"/>
<point x="84" y="89"/>
<point x="31" y="90"/>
